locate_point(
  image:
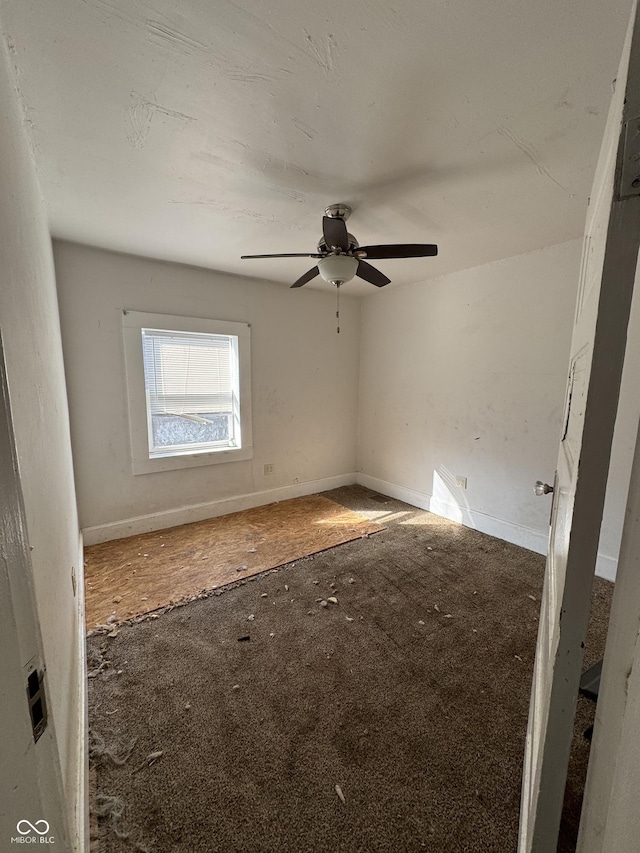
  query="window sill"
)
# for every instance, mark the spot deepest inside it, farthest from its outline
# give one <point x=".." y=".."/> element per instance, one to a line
<point x="191" y="460"/>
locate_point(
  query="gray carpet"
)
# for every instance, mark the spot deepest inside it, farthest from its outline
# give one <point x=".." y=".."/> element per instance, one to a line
<point x="416" y="709"/>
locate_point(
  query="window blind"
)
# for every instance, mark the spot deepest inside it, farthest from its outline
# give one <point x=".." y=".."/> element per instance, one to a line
<point x="188" y="373"/>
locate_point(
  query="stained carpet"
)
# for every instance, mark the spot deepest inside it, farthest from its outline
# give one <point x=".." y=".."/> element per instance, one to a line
<point x="410" y="694"/>
<point x="139" y="574"/>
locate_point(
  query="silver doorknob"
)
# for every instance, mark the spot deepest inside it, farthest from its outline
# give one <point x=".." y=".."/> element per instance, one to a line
<point x="541" y="488"/>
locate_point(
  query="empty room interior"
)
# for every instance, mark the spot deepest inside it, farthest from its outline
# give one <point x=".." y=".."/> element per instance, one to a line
<point x="288" y="317"/>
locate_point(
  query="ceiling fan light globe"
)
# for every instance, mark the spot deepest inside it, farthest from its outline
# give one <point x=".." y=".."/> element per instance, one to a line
<point x="336" y="268"/>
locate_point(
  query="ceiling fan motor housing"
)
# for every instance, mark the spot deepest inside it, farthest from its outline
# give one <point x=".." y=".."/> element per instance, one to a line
<point x="323" y="247"/>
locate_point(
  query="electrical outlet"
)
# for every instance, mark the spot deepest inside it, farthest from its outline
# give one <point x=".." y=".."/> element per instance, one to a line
<point x="268" y="469"/>
<point x="461" y="482"/>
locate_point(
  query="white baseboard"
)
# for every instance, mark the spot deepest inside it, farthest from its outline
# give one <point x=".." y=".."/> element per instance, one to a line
<point x="533" y="540"/>
<point x="606" y="567"/>
<point x="401" y="493"/>
<point x="517" y="534"/>
<point x="212" y="509"/>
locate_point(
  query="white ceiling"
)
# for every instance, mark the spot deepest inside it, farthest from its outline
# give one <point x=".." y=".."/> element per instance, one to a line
<point x="197" y="131"/>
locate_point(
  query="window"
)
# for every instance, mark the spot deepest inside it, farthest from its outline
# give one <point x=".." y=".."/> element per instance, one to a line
<point x="191" y="383"/>
<point x="188" y="384"/>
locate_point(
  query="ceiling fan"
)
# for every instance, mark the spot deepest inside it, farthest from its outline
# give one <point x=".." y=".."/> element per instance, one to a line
<point x="340" y="257"/>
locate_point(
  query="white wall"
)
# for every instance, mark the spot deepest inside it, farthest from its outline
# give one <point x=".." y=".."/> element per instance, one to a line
<point x="304" y="380"/>
<point x="31" y="333"/>
<point x="465" y="376"/>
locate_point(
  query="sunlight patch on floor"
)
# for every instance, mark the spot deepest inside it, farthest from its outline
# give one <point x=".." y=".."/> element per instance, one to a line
<point x="371" y="514"/>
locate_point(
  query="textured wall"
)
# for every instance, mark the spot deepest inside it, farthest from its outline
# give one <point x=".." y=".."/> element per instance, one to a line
<point x="465" y="376"/>
<point x="33" y="354"/>
<point x="304" y="381"/>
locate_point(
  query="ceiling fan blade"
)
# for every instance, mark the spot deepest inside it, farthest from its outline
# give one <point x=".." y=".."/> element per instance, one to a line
<point x="402" y="250"/>
<point x="371" y="274"/>
<point x="295" y="255"/>
<point x="335" y="233"/>
<point x="312" y="273"/>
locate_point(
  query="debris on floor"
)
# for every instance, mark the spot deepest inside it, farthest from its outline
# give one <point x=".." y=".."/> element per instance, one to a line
<point x="95" y="672"/>
<point x="111" y="809"/>
<point x="149" y="760"/>
<point x="348" y="680"/>
<point x="118" y="755"/>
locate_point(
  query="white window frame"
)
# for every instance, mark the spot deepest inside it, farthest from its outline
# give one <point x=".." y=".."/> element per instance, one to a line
<point x="142" y="460"/>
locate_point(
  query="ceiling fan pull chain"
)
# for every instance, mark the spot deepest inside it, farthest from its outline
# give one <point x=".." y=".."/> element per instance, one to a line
<point x="338" y="283"/>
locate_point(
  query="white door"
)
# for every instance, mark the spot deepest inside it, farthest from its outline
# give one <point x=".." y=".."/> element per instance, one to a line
<point x="610" y="252"/>
<point x="32" y="807"/>
<point x="610" y="817"/>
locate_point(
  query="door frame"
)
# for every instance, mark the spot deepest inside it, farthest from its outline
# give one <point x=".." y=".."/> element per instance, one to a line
<point x="31" y="776"/>
<point x="610" y="819"/>
<point x="560" y="643"/>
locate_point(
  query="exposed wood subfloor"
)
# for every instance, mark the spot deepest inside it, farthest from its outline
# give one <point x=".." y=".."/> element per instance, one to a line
<point x="128" y="577"/>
